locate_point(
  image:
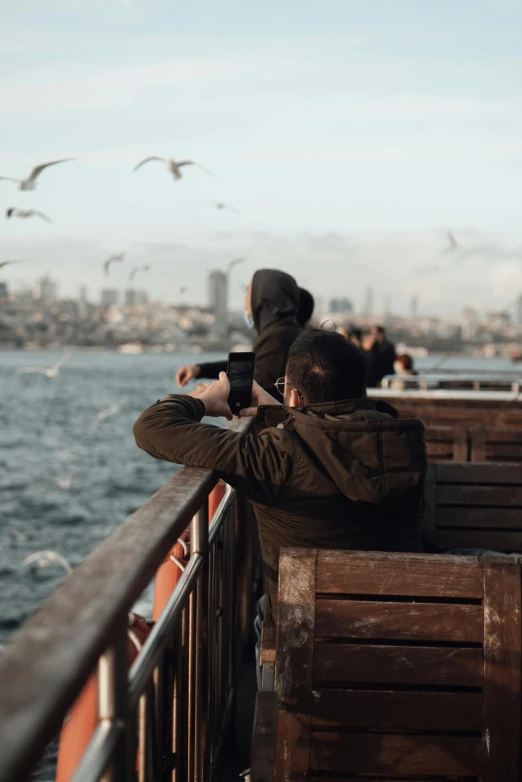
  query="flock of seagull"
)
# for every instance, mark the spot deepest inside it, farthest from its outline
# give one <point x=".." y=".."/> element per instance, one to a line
<point x="29" y="183"/>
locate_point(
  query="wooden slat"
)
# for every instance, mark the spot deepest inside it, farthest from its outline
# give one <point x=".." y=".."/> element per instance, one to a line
<point x="395" y="754"/>
<point x="389" y="577"/>
<point x="268" y="643"/>
<point x="264" y="738"/>
<point x="474" y="539"/>
<point x="479" y="495"/>
<point x="474" y="472"/>
<point x="411" y="621"/>
<point x="428" y="666"/>
<point x="446" y="711"/>
<point x="503" y="452"/>
<point x="510" y="435"/>
<point x="509" y="518"/>
<point x="502" y="669"/>
<point x="294" y="662"/>
<point x="402" y="559"/>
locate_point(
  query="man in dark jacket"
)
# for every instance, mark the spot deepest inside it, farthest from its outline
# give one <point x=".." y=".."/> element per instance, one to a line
<point x="329" y="469"/>
<point x="271" y="305"/>
<point x="382" y="356"/>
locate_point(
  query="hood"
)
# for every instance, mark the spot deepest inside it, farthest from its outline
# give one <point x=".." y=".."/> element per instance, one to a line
<point x="275" y="296"/>
<point x="370" y="456"/>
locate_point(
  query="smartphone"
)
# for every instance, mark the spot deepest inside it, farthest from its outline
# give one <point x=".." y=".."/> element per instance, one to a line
<point x="240" y="371"/>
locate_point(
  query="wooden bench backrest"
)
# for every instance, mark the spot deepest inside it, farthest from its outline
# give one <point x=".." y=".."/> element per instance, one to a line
<point x="496" y="444"/>
<point x="467" y="413"/>
<point x="472" y="505"/>
<point x="395" y="667"/>
<point x="447" y="443"/>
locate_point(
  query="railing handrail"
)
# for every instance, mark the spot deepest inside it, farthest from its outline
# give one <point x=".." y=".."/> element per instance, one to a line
<point x="454" y="395"/>
<point x="51" y="657"/>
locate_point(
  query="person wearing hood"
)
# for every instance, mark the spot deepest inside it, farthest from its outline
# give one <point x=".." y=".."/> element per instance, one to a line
<point x="329" y="468"/>
<point x="271" y="308"/>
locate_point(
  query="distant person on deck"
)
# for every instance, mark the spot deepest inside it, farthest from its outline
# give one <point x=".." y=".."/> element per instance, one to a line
<point x="382" y="355"/>
<point x="306" y="307"/>
<point x="329" y="468"/>
<point x="403" y="368"/>
<point x="271" y="308"/>
<point x="352" y="334"/>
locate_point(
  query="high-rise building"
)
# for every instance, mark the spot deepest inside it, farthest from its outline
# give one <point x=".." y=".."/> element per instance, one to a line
<point x="83" y="294"/>
<point x="386" y="310"/>
<point x="135" y="298"/>
<point x="4" y="290"/>
<point x="109" y="297"/>
<point x="414" y="305"/>
<point x="470" y="324"/>
<point x="368" y="302"/>
<point x="218" y="299"/>
<point x="519" y="312"/>
<point x="343" y="305"/>
<point x="45" y="289"/>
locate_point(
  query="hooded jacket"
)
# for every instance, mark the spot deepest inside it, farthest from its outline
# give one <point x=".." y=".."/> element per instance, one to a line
<point x="275" y="303"/>
<point x="341" y="475"/>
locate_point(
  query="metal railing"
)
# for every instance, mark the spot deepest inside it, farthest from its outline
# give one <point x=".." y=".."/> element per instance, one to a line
<point x="165" y="719"/>
<point x="470" y="382"/>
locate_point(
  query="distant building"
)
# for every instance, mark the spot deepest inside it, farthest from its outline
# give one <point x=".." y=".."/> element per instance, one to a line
<point x="4" y="290"/>
<point x="45" y="289"/>
<point x="414" y="306"/>
<point x="343" y="306"/>
<point x="135" y="298"/>
<point x="368" y="302"/>
<point x="109" y="297"/>
<point x="218" y="299"/>
<point x="519" y="312"/>
<point x="83" y="294"/>
<point x="387" y="309"/>
<point x="470" y="324"/>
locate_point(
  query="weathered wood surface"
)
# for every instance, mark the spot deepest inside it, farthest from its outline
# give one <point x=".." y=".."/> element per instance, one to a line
<point x="348" y="753"/>
<point x="401" y="621"/>
<point x="445" y="711"/>
<point x="427" y="688"/>
<point x="382" y="577"/>
<point x="294" y="662"/>
<point x="268" y="643"/>
<point x="431" y="666"/>
<point x="502" y="670"/>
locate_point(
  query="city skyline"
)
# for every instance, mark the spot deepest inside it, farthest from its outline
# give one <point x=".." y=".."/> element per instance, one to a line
<point x="350" y="136"/>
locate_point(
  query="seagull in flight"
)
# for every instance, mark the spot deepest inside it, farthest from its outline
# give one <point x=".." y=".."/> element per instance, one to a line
<point x="49" y="372"/>
<point x="113" y="259"/>
<point x="14" y="212"/>
<point x="173" y="166"/>
<point x="220" y="205"/>
<point x="137" y="269"/>
<point x="64" y="483"/>
<point x="30" y="182"/>
<point x="452" y="243"/>
<point x="6" y="263"/>
<point x="45" y="558"/>
<point x="112" y="409"/>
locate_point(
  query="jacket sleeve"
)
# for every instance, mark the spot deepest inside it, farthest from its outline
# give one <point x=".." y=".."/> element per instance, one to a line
<point x="259" y="466"/>
<point x="211" y="369"/>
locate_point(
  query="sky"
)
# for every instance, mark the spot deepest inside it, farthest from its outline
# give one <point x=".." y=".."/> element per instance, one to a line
<point x="349" y="136"/>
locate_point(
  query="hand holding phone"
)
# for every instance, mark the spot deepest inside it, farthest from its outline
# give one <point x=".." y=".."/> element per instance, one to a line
<point x="240" y="371"/>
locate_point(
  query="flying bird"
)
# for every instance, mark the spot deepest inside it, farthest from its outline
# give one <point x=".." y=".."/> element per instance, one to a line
<point x="30" y="182"/>
<point x="137" y="269"/>
<point x="113" y="259"/>
<point x="452" y="243"/>
<point x="64" y="483"/>
<point x="220" y="205"/>
<point x="49" y="372"/>
<point x="6" y="263"/>
<point x="172" y="165"/>
<point x="45" y="558"/>
<point x="112" y="409"/>
<point x="14" y="212"/>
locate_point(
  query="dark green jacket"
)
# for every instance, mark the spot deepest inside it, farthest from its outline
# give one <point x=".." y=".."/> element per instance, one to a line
<point x="343" y="475"/>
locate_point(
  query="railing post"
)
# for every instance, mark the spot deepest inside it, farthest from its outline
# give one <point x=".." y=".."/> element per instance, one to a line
<point x="199" y="545"/>
<point x="112" y="701"/>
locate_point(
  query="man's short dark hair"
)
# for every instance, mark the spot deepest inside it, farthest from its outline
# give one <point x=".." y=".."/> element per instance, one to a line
<point x="381" y="330"/>
<point x="324" y="367"/>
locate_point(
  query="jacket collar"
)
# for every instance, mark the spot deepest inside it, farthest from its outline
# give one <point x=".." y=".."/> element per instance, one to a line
<point x="270" y="415"/>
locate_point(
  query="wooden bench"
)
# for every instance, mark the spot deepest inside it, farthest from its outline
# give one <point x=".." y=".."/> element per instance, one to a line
<point x="393" y="667"/>
<point x="470" y="413"/>
<point x="495" y="444"/>
<point x="471" y="505"/>
<point x="447" y="443"/>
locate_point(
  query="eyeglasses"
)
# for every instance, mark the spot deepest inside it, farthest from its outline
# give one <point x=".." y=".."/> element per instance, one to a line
<point x="280" y="385"/>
